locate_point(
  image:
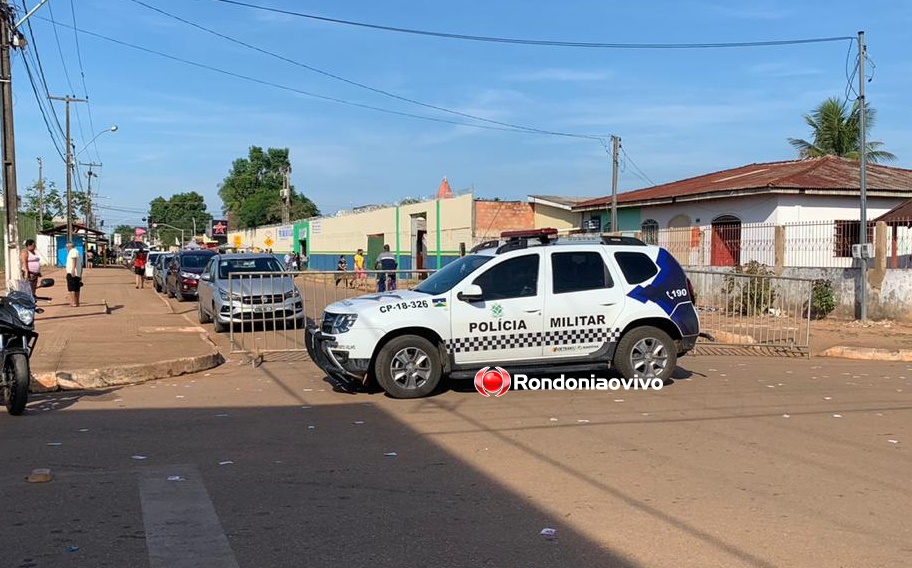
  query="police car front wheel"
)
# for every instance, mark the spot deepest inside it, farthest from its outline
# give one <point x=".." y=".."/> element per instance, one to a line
<point x="646" y="352"/>
<point x="408" y="367"/>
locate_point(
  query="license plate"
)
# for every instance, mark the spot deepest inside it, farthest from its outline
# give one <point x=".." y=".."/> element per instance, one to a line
<point x="263" y="308"/>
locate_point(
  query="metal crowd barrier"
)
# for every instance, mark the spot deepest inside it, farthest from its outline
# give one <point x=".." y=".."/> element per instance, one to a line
<point x="761" y="314"/>
<point x="268" y="322"/>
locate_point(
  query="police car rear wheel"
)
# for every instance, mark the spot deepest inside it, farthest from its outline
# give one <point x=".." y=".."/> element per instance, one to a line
<point x="408" y="367"/>
<point x="646" y="352"/>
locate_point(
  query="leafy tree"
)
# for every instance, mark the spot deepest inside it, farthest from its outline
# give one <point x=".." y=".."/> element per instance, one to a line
<point x="126" y="232"/>
<point x="836" y="131"/>
<point x="179" y="211"/>
<point x="50" y="203"/>
<point x="252" y="191"/>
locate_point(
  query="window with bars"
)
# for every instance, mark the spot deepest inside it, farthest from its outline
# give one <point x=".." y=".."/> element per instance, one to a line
<point x="846" y="234"/>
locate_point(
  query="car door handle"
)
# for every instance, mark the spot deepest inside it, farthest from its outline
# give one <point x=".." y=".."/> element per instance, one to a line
<point x="608" y="303"/>
<point x="533" y="311"/>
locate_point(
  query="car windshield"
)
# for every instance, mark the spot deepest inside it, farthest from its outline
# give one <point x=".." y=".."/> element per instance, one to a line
<point x="261" y="264"/>
<point x="452" y="274"/>
<point x="195" y="260"/>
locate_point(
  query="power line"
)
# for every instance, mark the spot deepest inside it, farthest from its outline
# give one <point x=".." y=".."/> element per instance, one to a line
<point x="41" y="74"/>
<point x="355" y="83"/>
<point x="85" y="89"/>
<point x="316" y="95"/>
<point x="66" y="72"/>
<point x="540" y="42"/>
<point x="637" y="171"/>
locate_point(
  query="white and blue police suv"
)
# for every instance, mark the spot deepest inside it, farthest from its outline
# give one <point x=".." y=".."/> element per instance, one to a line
<point x="530" y="302"/>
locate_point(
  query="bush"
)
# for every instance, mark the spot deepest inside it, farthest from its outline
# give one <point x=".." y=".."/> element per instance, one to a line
<point x="751" y="295"/>
<point x="823" y="301"/>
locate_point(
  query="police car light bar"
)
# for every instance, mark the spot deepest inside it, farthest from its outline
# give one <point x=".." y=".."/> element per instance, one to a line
<point x="529" y="234"/>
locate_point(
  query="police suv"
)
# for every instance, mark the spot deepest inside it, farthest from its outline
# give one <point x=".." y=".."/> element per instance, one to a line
<point x="530" y="302"/>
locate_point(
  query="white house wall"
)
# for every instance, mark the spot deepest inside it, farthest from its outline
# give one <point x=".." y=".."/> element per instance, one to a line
<point x="750" y="209"/>
<point x="799" y="209"/>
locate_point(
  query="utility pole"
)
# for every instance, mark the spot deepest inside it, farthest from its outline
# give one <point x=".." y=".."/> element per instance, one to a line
<point x="286" y="195"/>
<point x="90" y="216"/>
<point x="69" y="163"/>
<point x="40" y="194"/>
<point x="616" y="142"/>
<point x="863" y="185"/>
<point x="9" y="38"/>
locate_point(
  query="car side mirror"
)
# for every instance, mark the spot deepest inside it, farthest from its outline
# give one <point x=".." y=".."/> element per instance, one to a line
<point x="206" y="276"/>
<point x="471" y="293"/>
<point x="46" y="283"/>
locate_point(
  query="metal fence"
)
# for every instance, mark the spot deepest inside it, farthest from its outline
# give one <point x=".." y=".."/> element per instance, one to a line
<point x="760" y="313"/>
<point x="812" y="244"/>
<point x="270" y="311"/>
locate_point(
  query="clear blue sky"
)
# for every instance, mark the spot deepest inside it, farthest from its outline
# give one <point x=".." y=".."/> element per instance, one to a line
<point x="678" y="112"/>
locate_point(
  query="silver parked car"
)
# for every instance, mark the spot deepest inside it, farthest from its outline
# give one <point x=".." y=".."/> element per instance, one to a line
<point x="260" y="290"/>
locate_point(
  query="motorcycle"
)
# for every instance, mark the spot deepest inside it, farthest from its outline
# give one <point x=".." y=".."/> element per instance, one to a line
<point x="17" y="341"/>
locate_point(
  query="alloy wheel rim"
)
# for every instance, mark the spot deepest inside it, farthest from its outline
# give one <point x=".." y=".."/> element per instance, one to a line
<point x="649" y="358"/>
<point x="410" y="368"/>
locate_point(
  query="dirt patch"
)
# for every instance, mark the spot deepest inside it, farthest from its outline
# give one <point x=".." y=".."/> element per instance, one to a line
<point x="883" y="334"/>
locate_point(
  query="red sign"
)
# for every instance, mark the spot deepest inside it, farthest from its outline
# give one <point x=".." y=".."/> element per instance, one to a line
<point x="218" y="228"/>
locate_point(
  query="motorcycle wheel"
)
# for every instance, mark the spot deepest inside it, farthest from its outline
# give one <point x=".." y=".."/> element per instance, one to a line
<point x="16" y="383"/>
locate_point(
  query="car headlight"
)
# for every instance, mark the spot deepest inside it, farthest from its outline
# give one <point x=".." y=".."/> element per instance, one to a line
<point x="225" y="296"/>
<point x="27" y="315"/>
<point x="338" y="323"/>
<point x="293" y="293"/>
<point x="190" y="275"/>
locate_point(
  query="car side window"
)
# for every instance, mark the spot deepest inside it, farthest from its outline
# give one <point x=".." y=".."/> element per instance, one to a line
<point x="636" y="266"/>
<point x="514" y="278"/>
<point x="580" y="270"/>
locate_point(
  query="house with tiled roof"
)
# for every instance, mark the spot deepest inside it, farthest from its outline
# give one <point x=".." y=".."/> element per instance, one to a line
<point x="823" y="189"/>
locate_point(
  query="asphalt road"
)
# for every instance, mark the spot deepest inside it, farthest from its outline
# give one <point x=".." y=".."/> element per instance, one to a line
<point x="745" y="462"/>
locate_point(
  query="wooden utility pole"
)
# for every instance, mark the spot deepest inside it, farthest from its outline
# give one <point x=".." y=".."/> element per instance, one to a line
<point x="286" y="195"/>
<point x="863" y="182"/>
<point x="69" y="163"/>
<point x="616" y="142"/>
<point x="8" y="38"/>
<point x="40" y="195"/>
<point x="90" y="216"/>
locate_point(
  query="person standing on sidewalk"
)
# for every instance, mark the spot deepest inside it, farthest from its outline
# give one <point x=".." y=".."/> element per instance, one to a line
<point x="73" y="274"/>
<point x="31" y="265"/>
<point x="139" y="267"/>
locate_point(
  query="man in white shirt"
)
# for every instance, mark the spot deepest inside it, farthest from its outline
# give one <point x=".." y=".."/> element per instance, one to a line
<point x="73" y="274"/>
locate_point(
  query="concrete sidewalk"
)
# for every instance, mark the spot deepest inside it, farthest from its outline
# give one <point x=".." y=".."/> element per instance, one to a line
<point x="118" y="335"/>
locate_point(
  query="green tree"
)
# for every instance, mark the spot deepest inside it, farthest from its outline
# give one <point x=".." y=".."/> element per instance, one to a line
<point x="251" y="192"/>
<point x="181" y="210"/>
<point x="126" y="232"/>
<point x="50" y="203"/>
<point x="836" y="131"/>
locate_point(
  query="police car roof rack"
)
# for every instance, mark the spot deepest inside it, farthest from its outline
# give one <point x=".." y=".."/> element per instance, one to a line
<point x="485" y="245"/>
<point x="520" y="239"/>
<point x="615" y="240"/>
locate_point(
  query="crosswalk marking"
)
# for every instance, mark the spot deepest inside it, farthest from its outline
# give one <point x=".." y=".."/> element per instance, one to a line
<point x="182" y="527"/>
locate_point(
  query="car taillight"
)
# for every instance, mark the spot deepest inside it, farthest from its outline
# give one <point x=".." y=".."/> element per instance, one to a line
<point x="690" y="290"/>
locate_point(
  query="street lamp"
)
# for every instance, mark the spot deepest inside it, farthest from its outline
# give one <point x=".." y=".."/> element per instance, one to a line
<point x="70" y="159"/>
<point x="156" y="225"/>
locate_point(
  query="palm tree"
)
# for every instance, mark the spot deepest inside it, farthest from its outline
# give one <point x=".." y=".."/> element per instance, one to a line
<point x="836" y="132"/>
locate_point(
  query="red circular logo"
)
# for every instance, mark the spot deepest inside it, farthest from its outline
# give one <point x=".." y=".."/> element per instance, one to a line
<point x="492" y="381"/>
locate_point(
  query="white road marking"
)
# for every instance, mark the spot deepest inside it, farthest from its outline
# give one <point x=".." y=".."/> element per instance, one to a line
<point x="182" y="527"/>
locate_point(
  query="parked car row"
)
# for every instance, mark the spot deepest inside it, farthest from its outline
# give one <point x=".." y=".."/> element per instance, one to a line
<point x="230" y="288"/>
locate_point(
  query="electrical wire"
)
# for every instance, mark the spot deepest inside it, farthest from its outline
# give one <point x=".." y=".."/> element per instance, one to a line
<point x="355" y="83"/>
<point x="319" y="96"/>
<point x="637" y="171"/>
<point x="42" y="76"/>
<point x="539" y="42"/>
<point x="44" y="115"/>
<point x="85" y="89"/>
<point x="66" y="70"/>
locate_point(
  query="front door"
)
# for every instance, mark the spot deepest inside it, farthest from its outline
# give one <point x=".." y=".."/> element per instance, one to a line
<point x="506" y="325"/>
<point x="582" y="304"/>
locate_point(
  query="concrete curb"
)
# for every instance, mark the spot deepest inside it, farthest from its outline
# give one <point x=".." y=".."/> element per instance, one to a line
<point x="868" y="353"/>
<point x="124" y="375"/>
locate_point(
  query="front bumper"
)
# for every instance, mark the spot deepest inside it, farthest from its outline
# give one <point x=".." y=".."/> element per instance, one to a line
<point x="352" y="373"/>
<point x="290" y="311"/>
